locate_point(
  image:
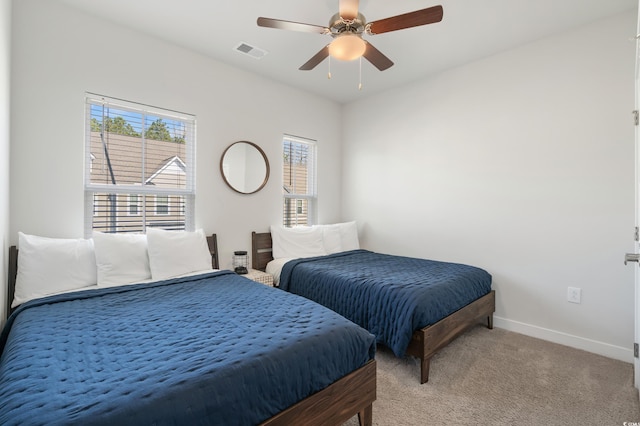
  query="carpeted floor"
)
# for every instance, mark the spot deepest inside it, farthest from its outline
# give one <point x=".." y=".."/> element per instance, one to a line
<point x="498" y="377"/>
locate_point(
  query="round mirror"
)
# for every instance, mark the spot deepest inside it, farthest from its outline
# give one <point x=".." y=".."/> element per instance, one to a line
<point x="244" y="167"/>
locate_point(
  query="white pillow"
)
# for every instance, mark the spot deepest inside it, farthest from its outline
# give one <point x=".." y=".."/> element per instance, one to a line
<point x="331" y="238"/>
<point x="339" y="237"/>
<point x="349" y="236"/>
<point x="48" y="266"/>
<point x="173" y="253"/>
<point x="121" y="258"/>
<point x="297" y="242"/>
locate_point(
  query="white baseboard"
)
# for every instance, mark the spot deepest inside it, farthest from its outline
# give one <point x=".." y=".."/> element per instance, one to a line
<point x="600" y="348"/>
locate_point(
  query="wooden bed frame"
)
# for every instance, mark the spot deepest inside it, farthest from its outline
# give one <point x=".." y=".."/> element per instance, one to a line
<point x="425" y="342"/>
<point x="337" y="403"/>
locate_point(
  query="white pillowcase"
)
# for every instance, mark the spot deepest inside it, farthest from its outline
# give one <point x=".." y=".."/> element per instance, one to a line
<point x="121" y="258"/>
<point x="297" y="242"/>
<point x="317" y="240"/>
<point x="340" y="237"/>
<point x="174" y="253"/>
<point x="331" y="238"/>
<point x="348" y="236"/>
<point x="48" y="266"/>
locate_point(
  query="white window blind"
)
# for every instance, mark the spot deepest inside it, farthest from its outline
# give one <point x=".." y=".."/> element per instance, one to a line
<point x="299" y="181"/>
<point x="139" y="167"/>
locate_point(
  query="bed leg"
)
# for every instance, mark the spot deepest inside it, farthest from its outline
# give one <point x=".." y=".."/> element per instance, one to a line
<point x="424" y="370"/>
<point x="490" y="321"/>
<point x="365" y="417"/>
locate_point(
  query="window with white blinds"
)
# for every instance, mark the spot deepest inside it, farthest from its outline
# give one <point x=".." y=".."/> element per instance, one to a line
<point x="299" y="181"/>
<point x="139" y="167"/>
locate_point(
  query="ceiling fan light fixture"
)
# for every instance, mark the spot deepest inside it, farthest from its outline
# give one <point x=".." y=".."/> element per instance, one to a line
<point x="347" y="47"/>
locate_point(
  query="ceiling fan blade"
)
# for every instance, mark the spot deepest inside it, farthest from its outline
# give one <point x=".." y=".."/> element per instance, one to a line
<point x="348" y="9"/>
<point x="316" y="59"/>
<point x="376" y="57"/>
<point x="292" y="26"/>
<point x="408" y="20"/>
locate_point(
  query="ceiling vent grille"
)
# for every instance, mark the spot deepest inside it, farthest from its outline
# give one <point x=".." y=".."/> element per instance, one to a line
<point x="247" y="49"/>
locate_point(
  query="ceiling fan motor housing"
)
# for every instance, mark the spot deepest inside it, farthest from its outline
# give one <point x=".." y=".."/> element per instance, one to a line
<point x="338" y="25"/>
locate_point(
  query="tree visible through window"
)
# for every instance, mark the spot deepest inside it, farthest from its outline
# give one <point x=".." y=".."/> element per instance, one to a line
<point x="139" y="169"/>
<point x="299" y="181"/>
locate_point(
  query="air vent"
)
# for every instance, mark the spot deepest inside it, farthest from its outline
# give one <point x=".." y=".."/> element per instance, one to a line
<point x="247" y="49"/>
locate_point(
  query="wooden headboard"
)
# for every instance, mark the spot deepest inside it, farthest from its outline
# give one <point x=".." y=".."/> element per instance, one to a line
<point x="212" y="241"/>
<point x="13" y="272"/>
<point x="261" y="253"/>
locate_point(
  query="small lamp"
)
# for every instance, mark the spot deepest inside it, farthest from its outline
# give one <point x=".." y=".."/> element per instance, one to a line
<point x="240" y="262"/>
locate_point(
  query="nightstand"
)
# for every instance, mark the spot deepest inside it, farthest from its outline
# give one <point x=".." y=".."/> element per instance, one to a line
<point x="260" y="277"/>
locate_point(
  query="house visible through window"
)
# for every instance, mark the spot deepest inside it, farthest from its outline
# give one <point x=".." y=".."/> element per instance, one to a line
<point x="139" y="169"/>
<point x="299" y="181"/>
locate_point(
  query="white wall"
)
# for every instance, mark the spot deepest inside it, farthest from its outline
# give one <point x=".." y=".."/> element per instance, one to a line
<point x="59" y="53"/>
<point x="5" y="54"/>
<point x="523" y="164"/>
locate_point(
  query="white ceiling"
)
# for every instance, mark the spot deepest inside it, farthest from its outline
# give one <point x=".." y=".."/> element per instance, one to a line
<point x="470" y="29"/>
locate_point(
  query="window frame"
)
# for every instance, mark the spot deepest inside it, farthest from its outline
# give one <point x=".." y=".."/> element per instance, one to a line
<point x="166" y="211"/>
<point x="292" y="197"/>
<point x="183" y="187"/>
<point x="136" y="204"/>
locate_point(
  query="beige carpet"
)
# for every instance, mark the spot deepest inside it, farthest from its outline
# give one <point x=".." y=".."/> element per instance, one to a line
<point x="498" y="377"/>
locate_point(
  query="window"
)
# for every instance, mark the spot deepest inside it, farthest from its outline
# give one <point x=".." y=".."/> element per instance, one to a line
<point x="139" y="167"/>
<point x="162" y="204"/>
<point x="134" y="208"/>
<point x="96" y="206"/>
<point x="299" y="181"/>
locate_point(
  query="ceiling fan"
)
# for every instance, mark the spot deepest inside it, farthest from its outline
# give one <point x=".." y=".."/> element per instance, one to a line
<point x="347" y="27"/>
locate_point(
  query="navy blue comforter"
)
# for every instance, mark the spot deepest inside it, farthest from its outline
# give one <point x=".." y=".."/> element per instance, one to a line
<point x="391" y="296"/>
<point x="212" y="349"/>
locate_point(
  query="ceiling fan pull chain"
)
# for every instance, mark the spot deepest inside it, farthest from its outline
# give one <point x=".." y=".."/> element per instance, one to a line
<point x="360" y="75"/>
<point x="329" y="73"/>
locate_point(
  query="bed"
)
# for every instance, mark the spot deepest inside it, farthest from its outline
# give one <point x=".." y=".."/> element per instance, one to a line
<point x="210" y="347"/>
<point x="413" y="306"/>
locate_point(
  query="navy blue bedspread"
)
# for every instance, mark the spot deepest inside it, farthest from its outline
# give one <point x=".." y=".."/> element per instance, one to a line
<point x="213" y="349"/>
<point x="391" y="296"/>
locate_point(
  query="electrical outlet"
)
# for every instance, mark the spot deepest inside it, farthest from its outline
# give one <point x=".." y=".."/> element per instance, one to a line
<point x="574" y="294"/>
